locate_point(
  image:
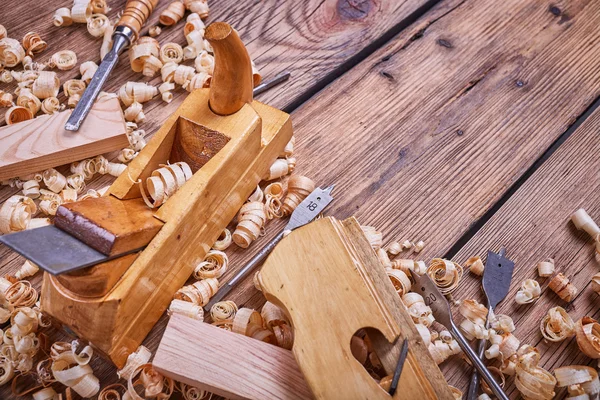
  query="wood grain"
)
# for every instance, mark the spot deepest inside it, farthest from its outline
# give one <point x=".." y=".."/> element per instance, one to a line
<point x="41" y="143"/>
<point x="534" y="224"/>
<point x="227" y="363"/>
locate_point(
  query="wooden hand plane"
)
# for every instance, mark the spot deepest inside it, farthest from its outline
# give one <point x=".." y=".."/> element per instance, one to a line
<point x="229" y="141"/>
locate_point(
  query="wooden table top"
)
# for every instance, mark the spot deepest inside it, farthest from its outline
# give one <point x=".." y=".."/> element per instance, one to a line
<point x="468" y="124"/>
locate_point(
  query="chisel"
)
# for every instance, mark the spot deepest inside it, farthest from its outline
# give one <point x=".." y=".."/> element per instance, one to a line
<point x="126" y="32"/>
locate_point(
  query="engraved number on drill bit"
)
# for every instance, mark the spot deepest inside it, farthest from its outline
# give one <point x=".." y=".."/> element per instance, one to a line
<point x="312" y="206"/>
<point x="430" y="299"/>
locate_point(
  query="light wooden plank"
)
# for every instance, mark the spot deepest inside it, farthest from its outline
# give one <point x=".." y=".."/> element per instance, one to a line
<point x="227" y="363"/>
<point x="534" y="224"/>
<point x="41" y="143"/>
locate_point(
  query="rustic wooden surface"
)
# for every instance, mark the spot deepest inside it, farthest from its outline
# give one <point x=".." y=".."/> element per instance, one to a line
<point x="426" y="134"/>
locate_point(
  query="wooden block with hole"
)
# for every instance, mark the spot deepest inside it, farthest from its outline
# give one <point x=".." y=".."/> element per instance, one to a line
<point x="326" y="271"/>
<point x="40" y="143"/>
<point x="229" y="150"/>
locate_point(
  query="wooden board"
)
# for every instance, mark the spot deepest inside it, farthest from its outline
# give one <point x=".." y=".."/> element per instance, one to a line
<point x="331" y="288"/>
<point x="534" y="224"/>
<point x="228" y="364"/>
<point x="41" y="143"/>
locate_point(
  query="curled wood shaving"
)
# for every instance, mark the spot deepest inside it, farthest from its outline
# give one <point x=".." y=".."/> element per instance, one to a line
<point x="251" y="219"/>
<point x="257" y="195"/>
<point x="103" y="166"/>
<point x="273" y="316"/>
<point x="205" y="62"/>
<point x="126" y="155"/>
<point x="502" y="323"/>
<point x="28" y="100"/>
<point x="51" y="105"/>
<point x="443" y="348"/>
<point x="394" y="248"/>
<point x="15" y="213"/>
<point x="563" y="288"/>
<point x="198" y="81"/>
<point x="136" y="139"/>
<point x="284" y="336"/>
<point x="31" y="189"/>
<point x="192" y="393"/>
<point x="244" y="319"/>
<point x="165" y="91"/>
<point x="6" y="76"/>
<point x="164" y="182"/>
<point x="17" y="114"/>
<point x="112" y="392"/>
<point x="81" y="11"/>
<point x="33" y="43"/>
<point x="199" y="7"/>
<point x="21" y="294"/>
<point x="186" y="308"/>
<point x="531" y="380"/>
<point x="530" y="291"/>
<point x="140" y="92"/>
<point x="418" y="247"/>
<point x="73" y="88"/>
<point x="62" y="17"/>
<point x="11" y="52"/>
<point x="45" y="394"/>
<point x="6" y="99"/>
<point x="214" y="265"/>
<point x="546" y="268"/>
<point x="498" y="376"/>
<point x="587" y="331"/>
<point x="183" y="74"/>
<point x="87" y="168"/>
<point x="580" y="380"/>
<point x="474" y="324"/>
<point x="64" y="60"/>
<point x="172" y="14"/>
<point x="97" y="24"/>
<point x="143" y="56"/>
<point x="359" y="349"/>
<point x="445" y="274"/>
<point x="135" y="113"/>
<point x="153" y="383"/>
<point x="278" y="169"/>
<point x="374" y="237"/>
<point x="3" y="32"/>
<point x="46" y="85"/>
<point x="198" y="292"/>
<point x="383" y="258"/>
<point x="596" y="283"/>
<point x="196" y="44"/>
<point x="171" y="52"/>
<point x="76" y="182"/>
<point x="291" y="164"/>
<point x="475" y="265"/>
<point x="223" y="311"/>
<point x="504" y="345"/>
<point x="298" y="188"/>
<point x="100" y="6"/>
<point x="406" y="265"/>
<point x="582" y="221"/>
<point x="400" y="280"/>
<point x="68" y="195"/>
<point x="154" y="31"/>
<point x="27" y="269"/>
<point x="49" y="207"/>
<point x="557" y="325"/>
<point x="38" y="223"/>
<point x="54" y="180"/>
<point x="193" y="23"/>
<point x="224" y="240"/>
<point x="419" y="312"/>
<point x="136" y="359"/>
<point x="273" y="195"/>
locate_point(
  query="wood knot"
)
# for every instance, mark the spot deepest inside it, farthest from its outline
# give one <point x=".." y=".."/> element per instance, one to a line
<point x="387" y="75"/>
<point x="555" y="10"/>
<point x="354" y="9"/>
<point x="445" y="43"/>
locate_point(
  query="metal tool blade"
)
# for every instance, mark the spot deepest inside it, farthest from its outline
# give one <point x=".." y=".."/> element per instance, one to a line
<point x="53" y="250"/>
<point x="497" y="276"/>
<point x="440" y="308"/>
<point x="304" y="213"/>
<point x="269" y="83"/>
<point x="121" y="39"/>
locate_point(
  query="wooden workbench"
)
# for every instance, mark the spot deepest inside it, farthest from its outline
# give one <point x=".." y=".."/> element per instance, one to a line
<point x="456" y="123"/>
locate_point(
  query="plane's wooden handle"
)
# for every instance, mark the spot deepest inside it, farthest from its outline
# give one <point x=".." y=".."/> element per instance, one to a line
<point x="135" y="15"/>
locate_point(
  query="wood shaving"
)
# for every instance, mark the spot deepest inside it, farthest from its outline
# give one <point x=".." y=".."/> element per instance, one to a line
<point x="278" y="169"/>
<point x="406" y="265"/>
<point x="106" y="42"/>
<point x="172" y="14"/>
<point x="193" y="23"/>
<point x="256" y="75"/>
<point x="31" y="189"/>
<point x="87" y="168"/>
<point x="498" y="376"/>
<point x="205" y="62"/>
<point x="257" y="195"/>
<point x="223" y="311"/>
<point x="164" y="182"/>
<point x="11" y="52"/>
<point x="103" y="166"/>
<point x="198" y="292"/>
<point x="73" y="88"/>
<point x="445" y="274"/>
<point x="6" y="99"/>
<point x="33" y="43"/>
<point x="81" y="11"/>
<point x="165" y="91"/>
<point x="154" y="31"/>
<point x="394" y="248"/>
<point x="140" y="92"/>
<point x="400" y="280"/>
<point x="383" y="258"/>
<point x="224" y="240"/>
<point x="244" y="319"/>
<point x="28" y="100"/>
<point x="199" y="7"/>
<point x="582" y="221"/>
<point x="504" y="345"/>
<point x="3" y="32"/>
<point x="563" y="288"/>
<point x="531" y="380"/>
<point x="21" y="294"/>
<point x="443" y="348"/>
<point x="134" y="360"/>
<point x="475" y="315"/>
<point x="15" y="213"/>
<point x="143" y="56"/>
<point x="27" y="269"/>
<point x="374" y="237"/>
<point x="171" y="52"/>
<point x="214" y="265"/>
<point x="196" y="43"/>
<point x="546" y="268"/>
<point x="46" y="85"/>
<point x="475" y="265"/>
<point x="97" y="24"/>
<point x="587" y="331"/>
<point x="64" y="60"/>
<point x="38" y="223"/>
<point x="54" y="180"/>
<point x="251" y="219"/>
<point x="596" y="283"/>
<point x="183" y="74"/>
<point x="502" y="323"/>
<point x="557" y="325"/>
<point x="135" y="113"/>
<point x="186" y="308"/>
<point x="273" y="316"/>
<point x="51" y="105"/>
<point x="198" y="81"/>
<point x="418" y="247"/>
<point x="291" y="161"/>
<point x="76" y="182"/>
<point x="530" y="291"/>
<point x="273" y="195"/>
<point x="62" y="17"/>
<point x="136" y="139"/>
<point x="153" y="383"/>
<point x="419" y="312"/>
<point x="45" y="394"/>
<point x="580" y="380"/>
<point x="126" y="155"/>
<point x="298" y="188"/>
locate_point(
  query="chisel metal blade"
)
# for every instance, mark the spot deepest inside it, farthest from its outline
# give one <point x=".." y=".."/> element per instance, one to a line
<point x="54" y="250"/>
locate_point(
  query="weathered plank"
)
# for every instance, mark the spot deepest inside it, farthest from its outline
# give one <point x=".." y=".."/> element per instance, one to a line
<point x="534" y="224"/>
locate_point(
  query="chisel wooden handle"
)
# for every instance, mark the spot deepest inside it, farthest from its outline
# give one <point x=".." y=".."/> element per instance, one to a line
<point x="135" y="15"/>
